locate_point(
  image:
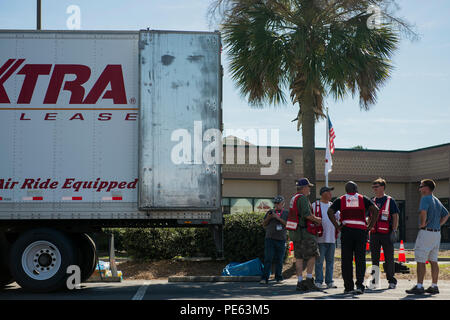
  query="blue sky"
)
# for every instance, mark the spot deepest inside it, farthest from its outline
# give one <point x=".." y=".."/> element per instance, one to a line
<point x="412" y="109"/>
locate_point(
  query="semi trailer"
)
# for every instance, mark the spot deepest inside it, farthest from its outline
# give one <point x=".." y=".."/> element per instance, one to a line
<point x="103" y="129"/>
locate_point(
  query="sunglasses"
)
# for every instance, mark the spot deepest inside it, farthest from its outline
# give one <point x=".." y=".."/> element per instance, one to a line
<point x="375" y="187"/>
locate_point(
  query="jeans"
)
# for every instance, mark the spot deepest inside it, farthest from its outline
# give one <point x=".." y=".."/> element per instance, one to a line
<point x="353" y="242"/>
<point x="326" y="254"/>
<point x="273" y="251"/>
<point x="377" y="241"/>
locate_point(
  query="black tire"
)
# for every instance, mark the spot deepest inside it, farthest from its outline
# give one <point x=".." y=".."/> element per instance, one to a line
<point x="87" y="255"/>
<point x="5" y="274"/>
<point x="66" y="256"/>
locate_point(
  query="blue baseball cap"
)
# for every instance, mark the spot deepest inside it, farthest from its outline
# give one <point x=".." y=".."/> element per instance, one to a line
<point x="303" y="182"/>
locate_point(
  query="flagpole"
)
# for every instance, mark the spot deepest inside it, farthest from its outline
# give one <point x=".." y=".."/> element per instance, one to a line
<point x="327" y="146"/>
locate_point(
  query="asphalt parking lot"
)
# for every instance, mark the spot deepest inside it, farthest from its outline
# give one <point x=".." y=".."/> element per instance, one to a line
<point x="164" y="290"/>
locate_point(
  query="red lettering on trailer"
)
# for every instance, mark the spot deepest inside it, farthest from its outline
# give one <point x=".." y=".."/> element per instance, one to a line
<point x="3" y="95"/>
<point x="22" y="117"/>
<point x="111" y="77"/>
<point x="131" y="116"/>
<point x="82" y="74"/>
<point x="104" y="116"/>
<point x="31" y="72"/>
<point x="78" y="116"/>
<point x="48" y="115"/>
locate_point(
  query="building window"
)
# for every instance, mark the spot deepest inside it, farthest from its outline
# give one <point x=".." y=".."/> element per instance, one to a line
<point x="225" y="205"/>
<point x="242" y="205"/>
<point x="263" y="205"/>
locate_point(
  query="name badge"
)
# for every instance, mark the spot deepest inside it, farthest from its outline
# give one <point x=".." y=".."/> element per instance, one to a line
<point x="384" y="215"/>
<point x="279" y="227"/>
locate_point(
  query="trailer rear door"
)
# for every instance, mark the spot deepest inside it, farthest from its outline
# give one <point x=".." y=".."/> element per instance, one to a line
<point x="179" y="121"/>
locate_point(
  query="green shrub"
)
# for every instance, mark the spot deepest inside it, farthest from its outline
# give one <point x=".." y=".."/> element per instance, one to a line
<point x="149" y="243"/>
<point x="166" y="243"/>
<point x="243" y="240"/>
<point x="244" y="237"/>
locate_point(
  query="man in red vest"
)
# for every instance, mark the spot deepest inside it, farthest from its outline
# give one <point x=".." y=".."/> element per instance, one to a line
<point x="384" y="234"/>
<point x="354" y="229"/>
<point x="305" y="243"/>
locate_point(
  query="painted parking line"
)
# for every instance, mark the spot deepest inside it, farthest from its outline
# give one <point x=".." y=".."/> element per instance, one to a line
<point x="141" y="291"/>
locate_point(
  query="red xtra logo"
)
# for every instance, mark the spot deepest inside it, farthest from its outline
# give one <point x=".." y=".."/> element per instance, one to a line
<point x="112" y="75"/>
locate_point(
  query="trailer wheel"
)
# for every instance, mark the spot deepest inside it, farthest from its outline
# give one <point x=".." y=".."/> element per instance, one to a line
<point x="5" y="275"/>
<point x="39" y="259"/>
<point x="87" y="255"/>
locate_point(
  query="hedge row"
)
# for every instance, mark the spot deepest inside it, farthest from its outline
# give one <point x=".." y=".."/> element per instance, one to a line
<point x="243" y="240"/>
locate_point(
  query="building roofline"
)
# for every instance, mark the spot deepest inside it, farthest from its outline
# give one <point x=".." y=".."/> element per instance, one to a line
<point x="351" y="149"/>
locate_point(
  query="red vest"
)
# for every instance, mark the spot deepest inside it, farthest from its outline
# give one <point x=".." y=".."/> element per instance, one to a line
<point x="353" y="212"/>
<point x="384" y="217"/>
<point x="292" y="221"/>
<point x="311" y="227"/>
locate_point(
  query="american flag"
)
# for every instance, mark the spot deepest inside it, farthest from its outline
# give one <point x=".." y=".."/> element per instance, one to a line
<point x="331" y="136"/>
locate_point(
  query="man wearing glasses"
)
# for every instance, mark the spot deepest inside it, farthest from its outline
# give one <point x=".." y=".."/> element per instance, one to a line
<point x="432" y="215"/>
<point x="384" y="234"/>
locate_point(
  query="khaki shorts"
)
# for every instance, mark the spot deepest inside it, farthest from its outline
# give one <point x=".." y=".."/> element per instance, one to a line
<point x="306" y="249"/>
<point x="427" y="246"/>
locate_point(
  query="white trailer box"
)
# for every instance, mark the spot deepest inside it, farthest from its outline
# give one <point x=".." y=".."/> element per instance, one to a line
<point x="92" y="124"/>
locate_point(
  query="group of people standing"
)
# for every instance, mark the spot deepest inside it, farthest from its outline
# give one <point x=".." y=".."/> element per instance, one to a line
<point x="314" y="229"/>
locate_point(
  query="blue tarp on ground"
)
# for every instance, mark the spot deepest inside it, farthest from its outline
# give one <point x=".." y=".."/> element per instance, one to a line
<point x="250" y="268"/>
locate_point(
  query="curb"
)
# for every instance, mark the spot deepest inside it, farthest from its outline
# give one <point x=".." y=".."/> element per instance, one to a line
<point x="215" y="279"/>
<point x="407" y="259"/>
<point x="104" y="279"/>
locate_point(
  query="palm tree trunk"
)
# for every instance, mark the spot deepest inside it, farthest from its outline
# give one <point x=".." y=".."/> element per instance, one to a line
<point x="309" y="145"/>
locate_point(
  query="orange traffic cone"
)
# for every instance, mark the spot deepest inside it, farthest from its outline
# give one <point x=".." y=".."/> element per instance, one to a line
<point x="291" y="249"/>
<point x="381" y="255"/>
<point x="401" y="253"/>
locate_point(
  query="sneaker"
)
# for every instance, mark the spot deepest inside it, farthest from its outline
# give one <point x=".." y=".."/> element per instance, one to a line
<point x="320" y="285"/>
<point x="279" y="280"/>
<point x="264" y="281"/>
<point x="301" y="286"/>
<point x="415" y="290"/>
<point x="348" y="291"/>
<point x="359" y="290"/>
<point x="331" y="286"/>
<point x="432" y="290"/>
<point x="392" y="286"/>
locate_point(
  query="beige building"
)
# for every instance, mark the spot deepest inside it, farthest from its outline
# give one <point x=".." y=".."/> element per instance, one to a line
<point x="246" y="190"/>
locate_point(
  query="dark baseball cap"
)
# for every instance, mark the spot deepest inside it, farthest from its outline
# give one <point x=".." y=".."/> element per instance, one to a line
<point x="325" y="189"/>
<point x="303" y="182"/>
<point x="278" y="199"/>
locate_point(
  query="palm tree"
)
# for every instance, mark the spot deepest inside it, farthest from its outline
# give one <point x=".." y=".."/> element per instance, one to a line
<point x="310" y="48"/>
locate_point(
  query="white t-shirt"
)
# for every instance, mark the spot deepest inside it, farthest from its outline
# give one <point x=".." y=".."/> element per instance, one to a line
<point x="329" y="235"/>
